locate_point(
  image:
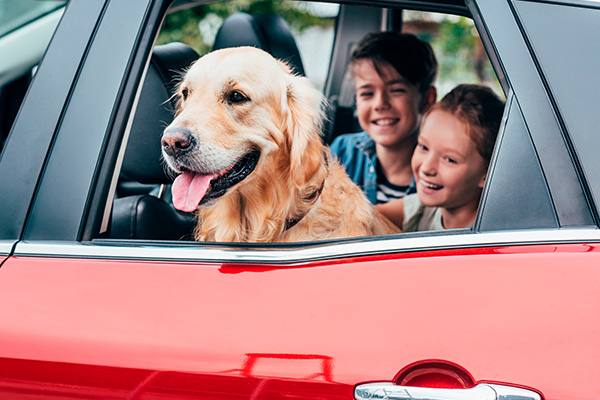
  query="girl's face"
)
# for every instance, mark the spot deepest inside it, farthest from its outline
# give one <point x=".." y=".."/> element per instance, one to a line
<point x="449" y="171"/>
<point x="388" y="107"/>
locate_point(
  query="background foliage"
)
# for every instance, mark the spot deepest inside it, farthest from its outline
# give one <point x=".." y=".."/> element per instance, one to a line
<point x="197" y="26"/>
<point x="454" y="39"/>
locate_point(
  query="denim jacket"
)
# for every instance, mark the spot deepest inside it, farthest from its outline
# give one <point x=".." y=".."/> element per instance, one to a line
<point x="356" y="151"/>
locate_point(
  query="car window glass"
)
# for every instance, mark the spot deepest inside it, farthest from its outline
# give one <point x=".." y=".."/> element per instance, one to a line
<point x="26" y="27"/>
<point x="570" y="60"/>
<point x="516" y="169"/>
<point x="15" y="14"/>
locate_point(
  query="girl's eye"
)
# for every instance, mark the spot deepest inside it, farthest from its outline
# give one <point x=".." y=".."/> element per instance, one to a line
<point x="422" y="147"/>
<point x="236" y="97"/>
<point x="450" y="160"/>
<point x="365" y="94"/>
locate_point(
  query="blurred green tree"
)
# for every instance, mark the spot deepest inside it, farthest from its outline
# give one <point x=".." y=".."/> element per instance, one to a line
<point x="197" y="26"/>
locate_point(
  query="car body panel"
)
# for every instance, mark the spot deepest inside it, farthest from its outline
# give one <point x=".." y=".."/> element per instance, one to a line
<point x="88" y="317"/>
<point x="370" y="316"/>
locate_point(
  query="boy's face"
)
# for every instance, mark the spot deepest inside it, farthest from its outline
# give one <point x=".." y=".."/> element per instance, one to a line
<point x="388" y="107"/>
<point x="449" y="171"/>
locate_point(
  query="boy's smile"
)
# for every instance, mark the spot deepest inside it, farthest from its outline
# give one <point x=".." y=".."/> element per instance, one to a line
<point x="386" y="122"/>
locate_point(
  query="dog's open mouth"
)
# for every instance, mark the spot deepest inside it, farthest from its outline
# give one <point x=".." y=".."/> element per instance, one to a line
<point x="192" y="189"/>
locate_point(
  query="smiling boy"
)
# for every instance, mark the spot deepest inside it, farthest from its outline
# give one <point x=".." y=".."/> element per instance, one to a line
<point x="393" y="75"/>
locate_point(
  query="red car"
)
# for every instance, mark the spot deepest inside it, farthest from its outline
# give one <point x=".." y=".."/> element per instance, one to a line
<point x="99" y="297"/>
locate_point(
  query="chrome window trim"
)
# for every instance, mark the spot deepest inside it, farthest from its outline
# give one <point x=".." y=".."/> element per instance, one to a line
<point x="232" y="253"/>
<point x="6" y="247"/>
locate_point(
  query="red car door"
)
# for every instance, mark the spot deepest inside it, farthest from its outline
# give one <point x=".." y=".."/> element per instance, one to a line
<point x="518" y="315"/>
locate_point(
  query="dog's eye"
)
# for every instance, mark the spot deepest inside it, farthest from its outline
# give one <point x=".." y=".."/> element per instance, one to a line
<point x="185" y="93"/>
<point x="236" y="97"/>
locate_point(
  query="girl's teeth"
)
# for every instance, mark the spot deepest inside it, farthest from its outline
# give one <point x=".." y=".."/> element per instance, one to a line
<point x="431" y="185"/>
<point x="384" y="122"/>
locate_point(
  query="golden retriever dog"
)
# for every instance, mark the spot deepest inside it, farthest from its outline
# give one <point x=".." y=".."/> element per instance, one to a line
<point x="246" y="145"/>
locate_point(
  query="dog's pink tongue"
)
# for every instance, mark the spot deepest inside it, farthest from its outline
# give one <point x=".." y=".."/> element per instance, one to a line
<point x="188" y="189"/>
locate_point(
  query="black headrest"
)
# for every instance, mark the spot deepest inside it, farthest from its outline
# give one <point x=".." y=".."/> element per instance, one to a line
<point x="155" y="110"/>
<point x="268" y="32"/>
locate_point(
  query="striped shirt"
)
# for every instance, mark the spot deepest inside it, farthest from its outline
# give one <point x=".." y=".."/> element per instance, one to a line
<point x="387" y="191"/>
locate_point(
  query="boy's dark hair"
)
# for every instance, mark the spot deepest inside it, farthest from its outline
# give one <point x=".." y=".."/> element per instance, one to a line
<point x="480" y="109"/>
<point x="410" y="56"/>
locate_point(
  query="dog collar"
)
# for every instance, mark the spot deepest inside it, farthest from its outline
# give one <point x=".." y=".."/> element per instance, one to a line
<point x="311" y="197"/>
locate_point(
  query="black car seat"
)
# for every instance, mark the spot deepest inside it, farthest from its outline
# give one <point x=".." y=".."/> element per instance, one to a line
<point x="269" y="32"/>
<point x="138" y="213"/>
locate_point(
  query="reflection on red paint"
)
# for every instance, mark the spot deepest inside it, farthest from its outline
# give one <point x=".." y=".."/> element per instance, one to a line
<point x="325" y="370"/>
<point x="27" y="379"/>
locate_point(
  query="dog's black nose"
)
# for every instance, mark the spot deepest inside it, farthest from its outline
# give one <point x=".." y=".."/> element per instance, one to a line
<point x="177" y="141"/>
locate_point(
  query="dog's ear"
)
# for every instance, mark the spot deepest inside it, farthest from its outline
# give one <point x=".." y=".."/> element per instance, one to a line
<point x="303" y="125"/>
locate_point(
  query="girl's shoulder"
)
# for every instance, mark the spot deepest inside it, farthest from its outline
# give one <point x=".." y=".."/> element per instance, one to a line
<point x="418" y="217"/>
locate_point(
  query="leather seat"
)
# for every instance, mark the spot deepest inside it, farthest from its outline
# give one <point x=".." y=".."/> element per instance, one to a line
<point x="138" y="213"/>
<point x="269" y="32"/>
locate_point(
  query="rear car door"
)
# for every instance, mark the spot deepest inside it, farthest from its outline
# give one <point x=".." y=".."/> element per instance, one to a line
<point x="508" y="309"/>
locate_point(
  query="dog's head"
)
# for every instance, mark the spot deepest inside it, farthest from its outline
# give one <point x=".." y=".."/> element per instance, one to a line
<point x="240" y="110"/>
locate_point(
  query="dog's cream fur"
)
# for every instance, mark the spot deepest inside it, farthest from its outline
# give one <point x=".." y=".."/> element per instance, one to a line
<point x="296" y="181"/>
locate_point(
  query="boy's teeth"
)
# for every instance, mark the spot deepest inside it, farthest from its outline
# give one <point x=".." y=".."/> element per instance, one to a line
<point x="384" y="122"/>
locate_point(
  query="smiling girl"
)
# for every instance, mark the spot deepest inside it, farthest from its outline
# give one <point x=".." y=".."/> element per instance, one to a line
<point x="450" y="161"/>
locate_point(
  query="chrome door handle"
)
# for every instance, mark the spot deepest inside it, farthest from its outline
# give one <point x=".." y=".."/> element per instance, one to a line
<point x="483" y="391"/>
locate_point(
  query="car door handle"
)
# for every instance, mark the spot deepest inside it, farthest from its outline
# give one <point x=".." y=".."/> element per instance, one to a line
<point x="483" y="391"/>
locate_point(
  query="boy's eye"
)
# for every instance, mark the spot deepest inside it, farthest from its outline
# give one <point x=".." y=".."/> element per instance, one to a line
<point x="398" y="90"/>
<point x="365" y="94"/>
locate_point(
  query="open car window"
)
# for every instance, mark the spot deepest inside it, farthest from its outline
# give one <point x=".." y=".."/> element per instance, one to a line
<point x="320" y="32"/>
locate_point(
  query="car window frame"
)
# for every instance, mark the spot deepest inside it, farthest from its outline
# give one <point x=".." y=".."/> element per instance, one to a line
<point x="82" y="240"/>
<point x="36" y="124"/>
<point x="97" y="152"/>
<point x="566" y="187"/>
